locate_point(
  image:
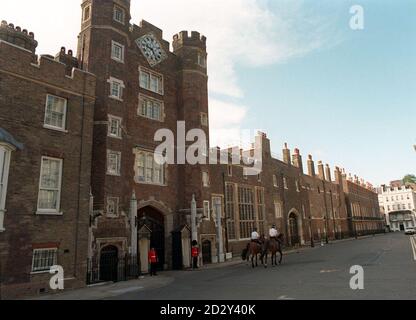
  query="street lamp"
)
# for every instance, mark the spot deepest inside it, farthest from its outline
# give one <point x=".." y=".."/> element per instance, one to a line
<point x="310" y="232"/>
<point x="326" y="230"/>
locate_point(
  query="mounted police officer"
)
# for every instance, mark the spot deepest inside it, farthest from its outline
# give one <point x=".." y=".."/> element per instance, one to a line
<point x="273" y="233"/>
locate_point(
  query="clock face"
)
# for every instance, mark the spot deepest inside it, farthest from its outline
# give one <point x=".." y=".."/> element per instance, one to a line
<point x="151" y="49"/>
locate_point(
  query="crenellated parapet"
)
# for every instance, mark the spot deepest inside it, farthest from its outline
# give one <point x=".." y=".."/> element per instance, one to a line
<point x="17" y="36"/>
<point x="183" y="39"/>
<point x="68" y="59"/>
<point x="18" y="62"/>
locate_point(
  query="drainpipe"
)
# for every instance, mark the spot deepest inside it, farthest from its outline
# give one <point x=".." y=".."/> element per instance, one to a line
<point x="133" y="224"/>
<point x="225" y="213"/>
<point x="219" y="231"/>
<point x="193" y="219"/>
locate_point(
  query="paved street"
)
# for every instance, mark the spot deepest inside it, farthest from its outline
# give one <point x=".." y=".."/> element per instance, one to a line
<point x="319" y="273"/>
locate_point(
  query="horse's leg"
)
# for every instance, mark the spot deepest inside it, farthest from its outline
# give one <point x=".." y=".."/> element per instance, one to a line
<point x="252" y="261"/>
<point x="265" y="256"/>
<point x="281" y="256"/>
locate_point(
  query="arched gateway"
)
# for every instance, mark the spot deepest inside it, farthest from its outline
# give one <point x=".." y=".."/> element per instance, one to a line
<point x="154" y="220"/>
<point x="295" y="238"/>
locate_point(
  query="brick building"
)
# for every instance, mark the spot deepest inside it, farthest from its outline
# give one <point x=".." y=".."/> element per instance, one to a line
<point x="131" y="85"/>
<point x="45" y="150"/>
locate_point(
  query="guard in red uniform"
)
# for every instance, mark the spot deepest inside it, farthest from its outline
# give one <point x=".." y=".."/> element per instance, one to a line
<point x="153" y="261"/>
<point x="195" y="254"/>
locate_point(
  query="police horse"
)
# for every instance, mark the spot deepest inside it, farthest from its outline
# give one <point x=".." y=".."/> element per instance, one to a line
<point x="253" y="251"/>
<point x="273" y="246"/>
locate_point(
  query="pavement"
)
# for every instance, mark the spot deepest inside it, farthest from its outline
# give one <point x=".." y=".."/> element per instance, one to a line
<point x="323" y="272"/>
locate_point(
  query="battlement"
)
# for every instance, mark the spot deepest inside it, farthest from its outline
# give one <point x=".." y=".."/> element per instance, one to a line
<point x="17" y="36"/>
<point x="68" y="59"/>
<point x="182" y="39"/>
<point x="125" y="3"/>
<point x="22" y="63"/>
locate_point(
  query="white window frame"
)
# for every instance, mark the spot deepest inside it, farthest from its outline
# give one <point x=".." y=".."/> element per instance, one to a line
<point x="83" y="13"/>
<point x="275" y="183"/>
<point x="116" y="201"/>
<point x="50" y="126"/>
<point x="117" y="173"/>
<point x="202" y="60"/>
<point x="143" y="178"/>
<point x="142" y="98"/>
<point x="4" y="178"/>
<point x="122" y="47"/>
<point x="230" y="170"/>
<point x="204" y="119"/>
<point x="120" y="121"/>
<point x="57" y="210"/>
<point x="207" y="211"/>
<point x="54" y="251"/>
<point x="112" y="81"/>
<point x="278" y="210"/>
<point x="115" y="15"/>
<point x="205" y="179"/>
<point x="161" y="82"/>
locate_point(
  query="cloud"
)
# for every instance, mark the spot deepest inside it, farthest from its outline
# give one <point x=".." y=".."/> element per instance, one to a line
<point x="225" y="120"/>
<point x="241" y="34"/>
<point x="250" y="33"/>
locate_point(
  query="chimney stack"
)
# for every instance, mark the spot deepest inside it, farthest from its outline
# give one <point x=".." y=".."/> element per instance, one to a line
<point x="328" y="173"/>
<point x="321" y="172"/>
<point x="286" y="155"/>
<point x="297" y="160"/>
<point x="311" y="166"/>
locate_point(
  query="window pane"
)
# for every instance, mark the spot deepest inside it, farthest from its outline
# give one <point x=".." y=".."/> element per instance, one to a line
<point x="50" y="173"/>
<point x="55" y="111"/>
<point x="144" y="80"/>
<point x="115" y="89"/>
<point x="154" y="82"/>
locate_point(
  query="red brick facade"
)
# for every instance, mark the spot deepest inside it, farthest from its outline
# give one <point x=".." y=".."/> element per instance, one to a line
<point x="114" y="111"/>
<point x="25" y="82"/>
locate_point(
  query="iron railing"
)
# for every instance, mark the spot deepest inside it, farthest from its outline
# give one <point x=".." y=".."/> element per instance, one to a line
<point x="114" y="269"/>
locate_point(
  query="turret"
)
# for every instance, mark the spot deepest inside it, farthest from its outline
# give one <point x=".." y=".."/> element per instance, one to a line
<point x="192" y="50"/>
<point x="17" y="36"/>
<point x="106" y="12"/>
<point x="109" y="19"/>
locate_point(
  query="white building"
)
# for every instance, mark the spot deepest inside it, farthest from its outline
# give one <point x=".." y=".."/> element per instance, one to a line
<point x="399" y="206"/>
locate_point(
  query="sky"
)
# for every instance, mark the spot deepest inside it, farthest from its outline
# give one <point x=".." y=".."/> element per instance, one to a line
<point x="291" y="68"/>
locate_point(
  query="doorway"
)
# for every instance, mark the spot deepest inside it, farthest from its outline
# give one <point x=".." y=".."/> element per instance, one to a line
<point x="154" y="220"/>
<point x="206" y="252"/>
<point x="109" y="264"/>
<point x="294" y="229"/>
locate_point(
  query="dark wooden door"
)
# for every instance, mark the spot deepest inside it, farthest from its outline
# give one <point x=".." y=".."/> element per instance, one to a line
<point x="206" y="252"/>
<point x="109" y="264"/>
